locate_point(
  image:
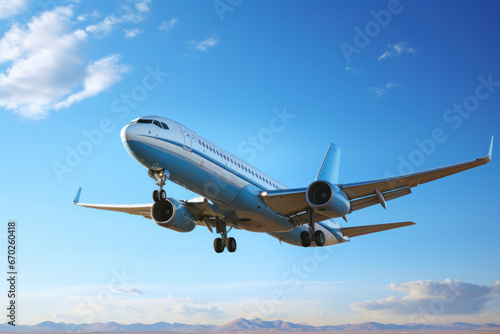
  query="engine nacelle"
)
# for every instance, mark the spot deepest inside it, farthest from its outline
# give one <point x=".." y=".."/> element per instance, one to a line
<point x="174" y="215"/>
<point x="323" y="196"/>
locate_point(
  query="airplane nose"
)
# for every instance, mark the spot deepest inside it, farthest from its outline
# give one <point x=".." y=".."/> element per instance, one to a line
<point x="125" y="133"/>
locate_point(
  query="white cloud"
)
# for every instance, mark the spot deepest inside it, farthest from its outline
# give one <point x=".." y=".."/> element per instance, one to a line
<point x="204" y="45"/>
<point x="94" y="15"/>
<point x="46" y="62"/>
<point x="134" y="14"/>
<point x="100" y="75"/>
<point x="131" y="33"/>
<point x="396" y="50"/>
<point x="190" y="307"/>
<point x="10" y="8"/>
<point x="167" y="26"/>
<point x="379" y="92"/>
<point x="143" y="5"/>
<point x="441" y="298"/>
<point x="105" y="27"/>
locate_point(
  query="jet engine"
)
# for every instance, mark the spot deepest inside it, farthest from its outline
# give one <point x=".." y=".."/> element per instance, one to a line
<point x="324" y="197"/>
<point x="172" y="214"/>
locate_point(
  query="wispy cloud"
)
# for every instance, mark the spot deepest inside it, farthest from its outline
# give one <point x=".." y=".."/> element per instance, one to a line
<point x="129" y="14"/>
<point x="205" y="44"/>
<point x="452" y="297"/>
<point x="167" y="26"/>
<point x="143" y="5"/>
<point x="93" y="15"/>
<point x="131" y="33"/>
<point x="198" y="47"/>
<point x="11" y="7"/>
<point x="379" y="92"/>
<point x="47" y="66"/>
<point x="190" y="307"/>
<point x="397" y="49"/>
<point x="353" y="70"/>
<point x="126" y="290"/>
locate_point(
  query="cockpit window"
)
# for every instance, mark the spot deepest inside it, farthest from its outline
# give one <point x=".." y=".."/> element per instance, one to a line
<point x="157" y="124"/>
<point x="165" y="126"/>
<point x="144" y="121"/>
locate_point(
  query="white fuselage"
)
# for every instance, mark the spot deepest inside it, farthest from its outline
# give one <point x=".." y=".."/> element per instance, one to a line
<point x="230" y="183"/>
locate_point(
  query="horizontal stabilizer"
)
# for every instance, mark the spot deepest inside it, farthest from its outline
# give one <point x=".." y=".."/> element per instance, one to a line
<point x="362" y="230"/>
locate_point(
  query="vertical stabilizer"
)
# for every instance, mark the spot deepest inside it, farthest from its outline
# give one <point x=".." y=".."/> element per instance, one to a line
<point x="330" y="167"/>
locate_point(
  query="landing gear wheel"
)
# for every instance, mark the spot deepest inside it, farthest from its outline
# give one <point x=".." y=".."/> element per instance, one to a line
<point x="231" y="244"/>
<point x="156" y="196"/>
<point x="160" y="177"/>
<point x="305" y="239"/>
<point x="319" y="238"/>
<point x="163" y="195"/>
<point x="218" y="245"/>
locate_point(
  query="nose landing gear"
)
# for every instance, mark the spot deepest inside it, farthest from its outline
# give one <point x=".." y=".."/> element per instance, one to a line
<point x="160" y="177"/>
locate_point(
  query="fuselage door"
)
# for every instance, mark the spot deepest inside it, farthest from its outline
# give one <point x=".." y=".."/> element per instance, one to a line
<point x="187" y="137"/>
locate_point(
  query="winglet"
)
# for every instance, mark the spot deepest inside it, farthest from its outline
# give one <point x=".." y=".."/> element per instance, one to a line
<point x="77" y="197"/>
<point x="491" y="148"/>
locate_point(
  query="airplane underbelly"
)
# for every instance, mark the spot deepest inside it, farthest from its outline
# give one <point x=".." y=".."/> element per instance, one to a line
<point x="332" y="236"/>
<point x="250" y="213"/>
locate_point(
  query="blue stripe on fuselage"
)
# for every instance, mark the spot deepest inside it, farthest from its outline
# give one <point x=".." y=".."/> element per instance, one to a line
<point x="218" y="163"/>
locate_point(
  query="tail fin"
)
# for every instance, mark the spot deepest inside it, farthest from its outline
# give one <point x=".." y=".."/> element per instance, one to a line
<point x="330" y="167"/>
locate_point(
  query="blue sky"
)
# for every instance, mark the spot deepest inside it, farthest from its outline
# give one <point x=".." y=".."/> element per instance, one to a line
<point x="398" y="86"/>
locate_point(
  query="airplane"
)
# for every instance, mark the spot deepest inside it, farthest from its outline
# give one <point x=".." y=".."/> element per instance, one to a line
<point x="235" y="194"/>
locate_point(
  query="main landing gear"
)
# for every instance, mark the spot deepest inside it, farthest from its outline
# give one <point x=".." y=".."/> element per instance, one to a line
<point x="160" y="177"/>
<point x="223" y="241"/>
<point x="319" y="236"/>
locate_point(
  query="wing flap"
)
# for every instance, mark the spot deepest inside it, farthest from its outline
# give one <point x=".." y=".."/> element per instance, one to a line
<point x="373" y="200"/>
<point x="362" y="230"/>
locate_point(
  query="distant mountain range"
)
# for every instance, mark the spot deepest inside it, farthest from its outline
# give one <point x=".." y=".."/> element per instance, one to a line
<point x="242" y="325"/>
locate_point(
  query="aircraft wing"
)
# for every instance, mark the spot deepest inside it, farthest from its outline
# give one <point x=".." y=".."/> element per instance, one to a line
<point x="362" y="189"/>
<point x="133" y="209"/>
<point x="198" y="206"/>
<point x="362" y="230"/>
<point x="293" y="203"/>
